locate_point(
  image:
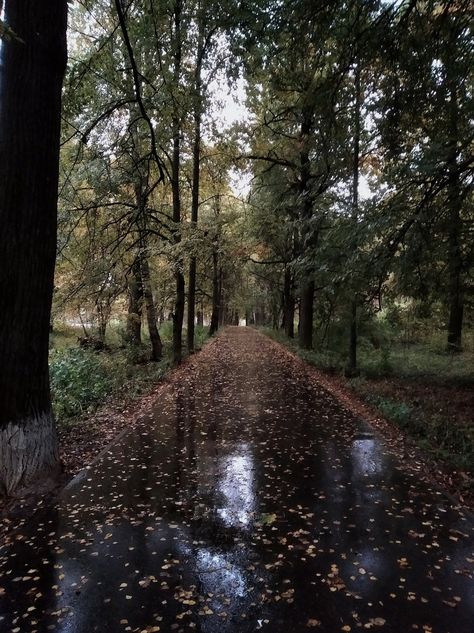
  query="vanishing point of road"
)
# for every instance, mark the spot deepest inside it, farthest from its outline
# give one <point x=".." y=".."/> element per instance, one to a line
<point x="248" y="499"/>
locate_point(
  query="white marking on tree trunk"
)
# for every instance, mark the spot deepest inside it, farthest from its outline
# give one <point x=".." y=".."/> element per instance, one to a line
<point x="28" y="452"/>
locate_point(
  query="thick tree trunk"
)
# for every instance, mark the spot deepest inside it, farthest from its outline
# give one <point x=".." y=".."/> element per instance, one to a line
<point x="135" y="300"/>
<point x="31" y="75"/>
<point x="214" y="326"/>
<point x="28" y="453"/>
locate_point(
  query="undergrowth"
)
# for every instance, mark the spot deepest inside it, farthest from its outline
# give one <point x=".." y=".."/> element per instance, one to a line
<point x="83" y="379"/>
<point x="435" y="432"/>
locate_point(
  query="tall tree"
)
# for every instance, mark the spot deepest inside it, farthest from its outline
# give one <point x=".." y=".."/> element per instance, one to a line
<point x="352" y="362"/>
<point x="176" y="127"/>
<point x="197" y="116"/>
<point x="32" y="66"/>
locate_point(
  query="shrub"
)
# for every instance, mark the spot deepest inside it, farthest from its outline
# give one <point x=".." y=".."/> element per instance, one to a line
<point x="398" y="412"/>
<point x="79" y="381"/>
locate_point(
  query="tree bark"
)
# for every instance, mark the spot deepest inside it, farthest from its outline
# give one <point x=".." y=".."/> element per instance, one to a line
<point x="191" y="304"/>
<point x="103" y="311"/>
<point x="143" y="267"/>
<point x="306" y="315"/>
<point x="455" y="263"/>
<point x="288" y="304"/>
<point x="221" y="298"/>
<point x="351" y="368"/>
<point x="305" y="329"/>
<point x="196" y="181"/>
<point x="135" y="300"/>
<point x="200" y="316"/>
<point x="178" y="315"/>
<point x="214" y="325"/>
<point x="150" y="308"/>
<point x="31" y="75"/>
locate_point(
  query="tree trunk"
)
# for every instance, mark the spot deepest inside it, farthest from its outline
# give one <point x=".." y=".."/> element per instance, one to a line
<point x="191" y="304"/>
<point x="31" y="75"/>
<point x="200" y="316"/>
<point x="455" y="263"/>
<point x="102" y="321"/>
<point x="135" y="299"/>
<point x="143" y="267"/>
<point x="351" y="368"/>
<point x="103" y="310"/>
<point x="214" y="326"/>
<point x="221" y="299"/>
<point x="178" y="315"/>
<point x="196" y="179"/>
<point x="305" y="330"/>
<point x="150" y="308"/>
<point x="288" y="304"/>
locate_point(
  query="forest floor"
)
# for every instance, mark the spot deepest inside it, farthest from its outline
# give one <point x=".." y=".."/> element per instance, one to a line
<point x="251" y="494"/>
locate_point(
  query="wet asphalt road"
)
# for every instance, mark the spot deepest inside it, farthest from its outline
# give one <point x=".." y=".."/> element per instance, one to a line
<point x="248" y="500"/>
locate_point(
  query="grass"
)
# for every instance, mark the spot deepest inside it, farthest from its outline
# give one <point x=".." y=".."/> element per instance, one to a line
<point x="427" y="360"/>
<point x="82" y="379"/>
<point x="430" y="360"/>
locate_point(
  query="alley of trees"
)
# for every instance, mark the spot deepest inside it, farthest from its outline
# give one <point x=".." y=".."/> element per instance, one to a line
<point x="142" y="207"/>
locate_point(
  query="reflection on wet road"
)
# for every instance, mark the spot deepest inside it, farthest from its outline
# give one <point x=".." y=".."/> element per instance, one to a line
<point x="248" y="500"/>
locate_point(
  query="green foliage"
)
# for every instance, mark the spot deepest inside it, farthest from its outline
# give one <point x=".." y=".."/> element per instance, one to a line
<point x="201" y="335"/>
<point x="398" y="412"/>
<point x="166" y="331"/>
<point x="81" y="380"/>
<point x="78" y="381"/>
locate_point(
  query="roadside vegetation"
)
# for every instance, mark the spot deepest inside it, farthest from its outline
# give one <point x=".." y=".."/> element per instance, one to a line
<point x="405" y="371"/>
<point x="83" y="378"/>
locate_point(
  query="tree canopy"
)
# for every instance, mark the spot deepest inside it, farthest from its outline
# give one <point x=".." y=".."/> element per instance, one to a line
<point x="339" y="187"/>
